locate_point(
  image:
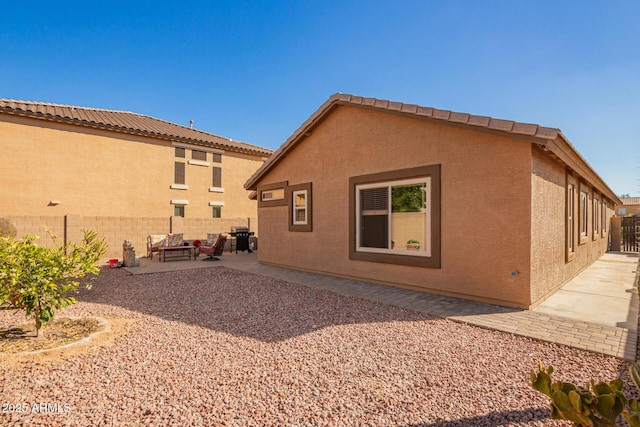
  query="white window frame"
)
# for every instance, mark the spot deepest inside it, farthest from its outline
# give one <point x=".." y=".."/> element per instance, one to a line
<point x="596" y="217"/>
<point x="426" y="239"/>
<point x="298" y="208"/>
<point x="604" y="217"/>
<point x="584" y="208"/>
<point x="271" y="192"/>
<point x="570" y="216"/>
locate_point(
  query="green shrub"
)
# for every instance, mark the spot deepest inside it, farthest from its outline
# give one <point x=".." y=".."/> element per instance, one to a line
<point x="39" y="280"/>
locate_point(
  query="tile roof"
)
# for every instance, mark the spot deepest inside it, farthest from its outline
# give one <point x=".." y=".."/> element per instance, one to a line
<point x="630" y="201"/>
<point x="127" y="122"/>
<point x="550" y="139"/>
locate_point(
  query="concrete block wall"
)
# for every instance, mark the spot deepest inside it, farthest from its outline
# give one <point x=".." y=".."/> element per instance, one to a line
<point x="38" y="225"/>
<point x="115" y="230"/>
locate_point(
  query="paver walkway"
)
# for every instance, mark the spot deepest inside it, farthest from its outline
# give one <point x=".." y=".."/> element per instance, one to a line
<point x="601" y="338"/>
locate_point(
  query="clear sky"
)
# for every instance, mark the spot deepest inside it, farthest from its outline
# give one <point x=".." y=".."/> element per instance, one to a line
<point x="254" y="71"/>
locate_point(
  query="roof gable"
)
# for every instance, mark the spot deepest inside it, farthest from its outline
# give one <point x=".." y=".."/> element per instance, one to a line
<point x="124" y="121"/>
<point x="550" y="139"/>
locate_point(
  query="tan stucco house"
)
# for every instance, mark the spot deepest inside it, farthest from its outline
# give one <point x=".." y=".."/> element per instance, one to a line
<point x="446" y="202"/>
<point x="122" y="173"/>
<point x="630" y="206"/>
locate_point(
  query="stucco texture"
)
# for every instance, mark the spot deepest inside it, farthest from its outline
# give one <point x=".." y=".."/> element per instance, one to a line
<point x="102" y="173"/>
<point x="485" y="203"/>
<point x="551" y="263"/>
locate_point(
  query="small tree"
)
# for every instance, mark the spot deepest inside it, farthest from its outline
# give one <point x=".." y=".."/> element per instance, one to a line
<point x="39" y="280"/>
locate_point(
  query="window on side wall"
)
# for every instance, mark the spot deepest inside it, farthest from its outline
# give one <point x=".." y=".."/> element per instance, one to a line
<point x="179" y="173"/>
<point x="178" y="210"/>
<point x="604" y="218"/>
<point x="396" y="217"/>
<point x="216" y="211"/>
<point x="299" y="206"/>
<point x="571" y="194"/>
<point x="584" y="207"/>
<point x="596" y="218"/>
<point x="273" y="194"/>
<point x="199" y="155"/>
<point x="299" y="197"/>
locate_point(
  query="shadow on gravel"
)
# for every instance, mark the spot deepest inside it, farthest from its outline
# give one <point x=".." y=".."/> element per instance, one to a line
<point x="236" y="302"/>
<point x="522" y="416"/>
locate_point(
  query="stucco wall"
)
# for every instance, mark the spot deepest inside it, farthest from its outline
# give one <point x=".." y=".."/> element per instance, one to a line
<point x="102" y="173"/>
<point x="551" y="266"/>
<point x="486" y="185"/>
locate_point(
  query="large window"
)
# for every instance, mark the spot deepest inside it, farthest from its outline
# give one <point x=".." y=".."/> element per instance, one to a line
<point x="396" y="217"/>
<point x="393" y="217"/>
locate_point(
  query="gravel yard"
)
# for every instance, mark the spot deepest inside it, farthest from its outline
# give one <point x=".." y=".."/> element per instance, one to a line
<point x="217" y="346"/>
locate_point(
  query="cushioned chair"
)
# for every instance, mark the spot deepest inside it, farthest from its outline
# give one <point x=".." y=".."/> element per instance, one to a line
<point x="212" y="250"/>
<point x="155" y="241"/>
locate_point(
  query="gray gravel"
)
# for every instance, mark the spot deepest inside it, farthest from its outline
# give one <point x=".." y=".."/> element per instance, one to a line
<point x="222" y="347"/>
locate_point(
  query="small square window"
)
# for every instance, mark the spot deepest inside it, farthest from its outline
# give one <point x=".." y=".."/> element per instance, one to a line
<point x="216" y="211"/>
<point x="217" y="158"/>
<point x="178" y="210"/>
<point x="180" y="152"/>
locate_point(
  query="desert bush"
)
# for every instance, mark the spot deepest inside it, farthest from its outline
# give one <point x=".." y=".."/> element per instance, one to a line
<point x="40" y="280"/>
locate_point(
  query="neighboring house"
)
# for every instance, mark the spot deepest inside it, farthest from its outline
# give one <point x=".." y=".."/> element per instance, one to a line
<point x="630" y="206"/>
<point x="446" y="202"/>
<point x="70" y="162"/>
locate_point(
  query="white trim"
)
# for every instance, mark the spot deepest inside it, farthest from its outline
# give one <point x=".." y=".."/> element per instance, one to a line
<point x="198" y="162"/>
<point x="218" y="204"/>
<point x="179" y="187"/>
<point x="179" y="202"/>
<point x="584" y="214"/>
<point x="198" y="148"/>
<point x="216" y="190"/>
<point x="299" y="208"/>
<point x="571" y="216"/>
<point x="271" y="191"/>
<point x="388" y="184"/>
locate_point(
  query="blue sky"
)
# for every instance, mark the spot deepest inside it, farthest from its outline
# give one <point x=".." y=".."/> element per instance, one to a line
<point x="255" y="70"/>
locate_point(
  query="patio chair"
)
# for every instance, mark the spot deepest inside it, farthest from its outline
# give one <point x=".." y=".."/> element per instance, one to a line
<point x="155" y="241"/>
<point x="215" y="249"/>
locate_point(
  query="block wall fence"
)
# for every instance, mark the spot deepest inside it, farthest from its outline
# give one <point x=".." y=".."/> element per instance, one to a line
<point x="115" y="230"/>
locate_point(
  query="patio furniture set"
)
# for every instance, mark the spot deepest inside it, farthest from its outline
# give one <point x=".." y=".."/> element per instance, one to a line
<point x="213" y="246"/>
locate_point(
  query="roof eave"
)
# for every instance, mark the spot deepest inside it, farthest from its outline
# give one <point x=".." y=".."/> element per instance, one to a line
<point x="135" y="131"/>
<point x="564" y="151"/>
